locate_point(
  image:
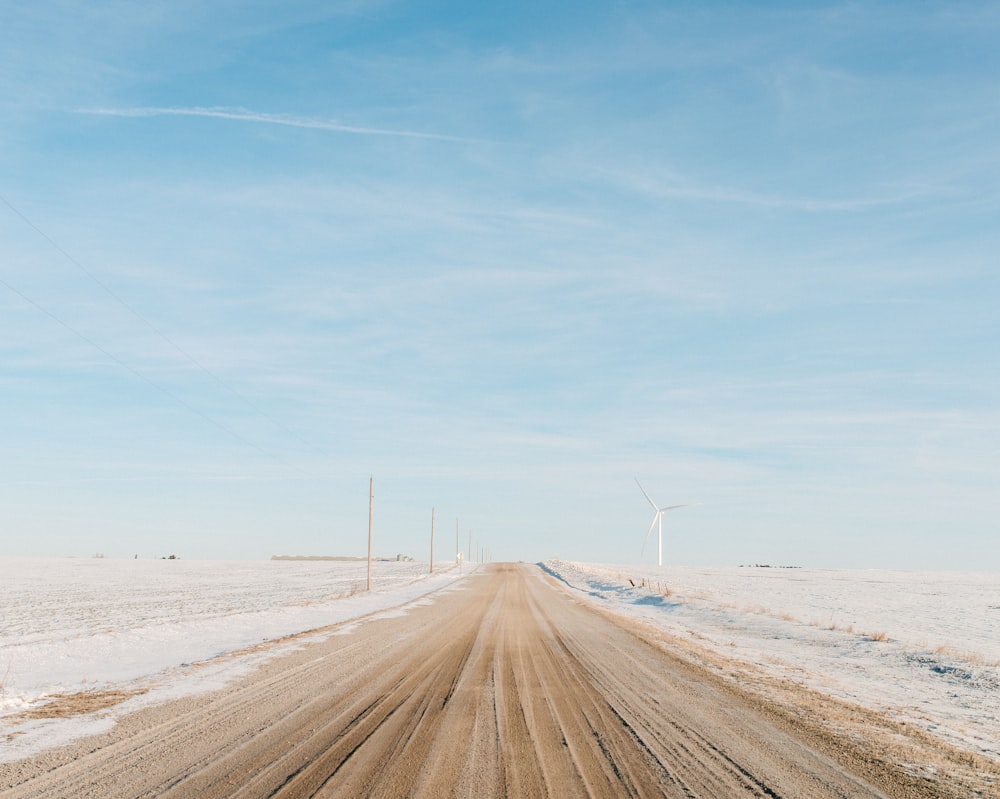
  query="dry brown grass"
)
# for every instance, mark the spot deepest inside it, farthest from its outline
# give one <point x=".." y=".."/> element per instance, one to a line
<point x="65" y="705"/>
<point x="974" y="658"/>
<point x="844" y="628"/>
<point x="868" y="736"/>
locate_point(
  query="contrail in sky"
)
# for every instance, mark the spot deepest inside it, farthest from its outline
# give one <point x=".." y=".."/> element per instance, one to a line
<point x="245" y="115"/>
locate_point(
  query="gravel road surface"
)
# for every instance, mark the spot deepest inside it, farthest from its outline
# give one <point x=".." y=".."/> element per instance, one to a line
<point x="505" y="685"/>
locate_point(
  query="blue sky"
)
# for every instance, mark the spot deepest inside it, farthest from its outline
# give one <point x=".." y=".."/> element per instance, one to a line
<point x="505" y="260"/>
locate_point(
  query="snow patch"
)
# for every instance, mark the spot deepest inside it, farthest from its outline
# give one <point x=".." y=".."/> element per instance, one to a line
<point x="165" y="629"/>
<point x="922" y="647"/>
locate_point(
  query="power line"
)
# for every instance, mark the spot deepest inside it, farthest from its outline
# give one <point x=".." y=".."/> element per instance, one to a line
<point x="165" y="391"/>
<point x="177" y="347"/>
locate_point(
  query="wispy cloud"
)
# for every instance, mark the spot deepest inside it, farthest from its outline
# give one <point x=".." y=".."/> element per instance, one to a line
<point x="673" y="187"/>
<point x="246" y="115"/>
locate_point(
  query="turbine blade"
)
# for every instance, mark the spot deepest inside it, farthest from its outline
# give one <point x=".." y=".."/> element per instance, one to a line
<point x="648" y="498"/>
<point x="656" y="518"/>
<point x="674" y="507"/>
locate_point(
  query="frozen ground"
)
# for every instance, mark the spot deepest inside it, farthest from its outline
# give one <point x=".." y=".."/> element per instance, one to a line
<point x="162" y="628"/>
<point x="921" y="646"/>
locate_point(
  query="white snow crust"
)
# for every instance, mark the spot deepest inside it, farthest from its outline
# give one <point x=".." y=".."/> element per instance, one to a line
<point x="159" y="627"/>
<point x="923" y="647"/>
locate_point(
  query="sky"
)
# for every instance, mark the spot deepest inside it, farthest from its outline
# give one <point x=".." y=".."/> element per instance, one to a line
<point x="505" y="260"/>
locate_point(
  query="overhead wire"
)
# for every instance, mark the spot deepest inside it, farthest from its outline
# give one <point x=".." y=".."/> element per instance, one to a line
<point x="144" y="378"/>
<point x="170" y="341"/>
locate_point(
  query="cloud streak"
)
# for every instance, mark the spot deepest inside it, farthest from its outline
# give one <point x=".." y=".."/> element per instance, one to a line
<point x="673" y="188"/>
<point x="246" y="115"/>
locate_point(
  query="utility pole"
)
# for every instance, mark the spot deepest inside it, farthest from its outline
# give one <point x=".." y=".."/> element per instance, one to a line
<point x="371" y="508"/>
<point x="432" y="541"/>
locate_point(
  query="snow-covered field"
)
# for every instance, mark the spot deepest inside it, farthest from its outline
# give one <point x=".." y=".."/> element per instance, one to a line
<point x="158" y="627"/>
<point x="921" y="646"/>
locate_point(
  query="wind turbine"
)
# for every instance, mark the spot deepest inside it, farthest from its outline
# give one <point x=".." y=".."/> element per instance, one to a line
<point x="657" y="521"/>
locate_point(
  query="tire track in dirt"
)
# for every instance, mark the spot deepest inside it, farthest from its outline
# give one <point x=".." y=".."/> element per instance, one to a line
<point x="506" y="686"/>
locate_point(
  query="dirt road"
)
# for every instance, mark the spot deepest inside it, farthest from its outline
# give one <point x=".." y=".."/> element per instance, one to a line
<point x="504" y="686"/>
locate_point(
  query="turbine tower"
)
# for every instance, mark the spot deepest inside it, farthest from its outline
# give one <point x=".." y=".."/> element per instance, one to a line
<point x="657" y="522"/>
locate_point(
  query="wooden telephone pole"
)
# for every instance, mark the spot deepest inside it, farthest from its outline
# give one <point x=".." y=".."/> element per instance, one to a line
<point x="371" y="507"/>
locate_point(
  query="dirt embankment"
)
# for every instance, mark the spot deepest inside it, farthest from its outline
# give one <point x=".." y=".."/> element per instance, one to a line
<point x="506" y="686"/>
